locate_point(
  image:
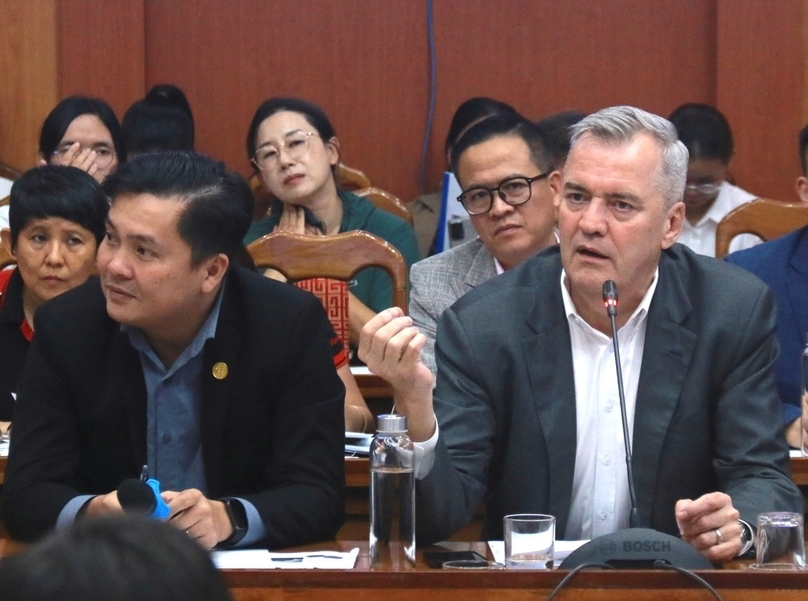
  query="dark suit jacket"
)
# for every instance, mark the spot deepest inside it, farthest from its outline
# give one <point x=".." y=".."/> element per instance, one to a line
<point x="706" y="418"/>
<point x="783" y="265"/>
<point x="272" y="430"/>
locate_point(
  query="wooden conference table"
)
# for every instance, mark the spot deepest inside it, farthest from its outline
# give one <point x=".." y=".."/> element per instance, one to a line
<point x="736" y="582"/>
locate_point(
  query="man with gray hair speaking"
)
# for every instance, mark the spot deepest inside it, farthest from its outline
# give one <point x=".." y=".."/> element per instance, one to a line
<point x="526" y="411"/>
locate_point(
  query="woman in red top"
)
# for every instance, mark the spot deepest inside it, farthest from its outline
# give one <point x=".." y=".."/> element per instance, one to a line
<point x="56" y="219"/>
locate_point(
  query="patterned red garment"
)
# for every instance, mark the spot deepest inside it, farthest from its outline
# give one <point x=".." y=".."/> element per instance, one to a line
<point x="334" y="296"/>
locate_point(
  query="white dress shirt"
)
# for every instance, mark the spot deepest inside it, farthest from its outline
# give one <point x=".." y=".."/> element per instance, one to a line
<point x="600" y="499"/>
<point x="701" y="237"/>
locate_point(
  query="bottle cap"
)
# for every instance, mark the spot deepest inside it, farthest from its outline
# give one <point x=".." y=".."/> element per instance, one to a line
<point x="392" y="424"/>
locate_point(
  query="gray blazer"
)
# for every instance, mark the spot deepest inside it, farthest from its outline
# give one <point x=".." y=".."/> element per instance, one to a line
<point x="707" y="415"/>
<point x="437" y="282"/>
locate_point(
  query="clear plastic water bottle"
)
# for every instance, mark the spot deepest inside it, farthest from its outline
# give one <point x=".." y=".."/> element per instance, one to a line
<point x="804" y="401"/>
<point x="392" y="494"/>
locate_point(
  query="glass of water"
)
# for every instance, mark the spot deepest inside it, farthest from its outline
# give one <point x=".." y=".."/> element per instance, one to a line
<point x="780" y="542"/>
<point x="529" y="541"/>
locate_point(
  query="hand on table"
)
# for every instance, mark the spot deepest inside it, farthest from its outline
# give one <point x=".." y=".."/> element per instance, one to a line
<point x="203" y="520"/>
<point x="701" y="520"/>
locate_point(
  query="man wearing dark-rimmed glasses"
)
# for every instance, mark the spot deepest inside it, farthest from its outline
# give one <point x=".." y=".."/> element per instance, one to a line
<point x="502" y="164"/>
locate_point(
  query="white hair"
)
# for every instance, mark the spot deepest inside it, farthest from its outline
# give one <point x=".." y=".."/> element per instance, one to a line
<point x="621" y="124"/>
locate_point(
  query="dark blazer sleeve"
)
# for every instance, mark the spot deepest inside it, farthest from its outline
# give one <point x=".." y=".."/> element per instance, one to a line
<point x="302" y="498"/>
<point x="45" y="447"/>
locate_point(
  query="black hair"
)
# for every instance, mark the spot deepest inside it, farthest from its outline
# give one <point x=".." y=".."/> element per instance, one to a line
<point x="219" y="203"/>
<point x="57" y="191"/>
<point x="161" y="121"/>
<point x="704" y="131"/>
<point x="64" y="113"/>
<point x="313" y="114"/>
<point x="119" y="558"/>
<point x="803" y="149"/>
<point x="556" y="130"/>
<point x="471" y="111"/>
<point x="506" y="125"/>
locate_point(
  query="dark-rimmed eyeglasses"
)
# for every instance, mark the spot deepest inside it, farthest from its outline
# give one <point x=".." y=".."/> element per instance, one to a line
<point x="514" y="191"/>
<point x="296" y="144"/>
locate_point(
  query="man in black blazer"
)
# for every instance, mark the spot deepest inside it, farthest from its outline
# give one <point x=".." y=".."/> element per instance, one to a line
<point x="526" y="400"/>
<point x="221" y="381"/>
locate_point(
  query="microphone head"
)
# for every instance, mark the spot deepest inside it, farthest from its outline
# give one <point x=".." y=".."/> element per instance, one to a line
<point x="610" y="297"/>
<point x="135" y="496"/>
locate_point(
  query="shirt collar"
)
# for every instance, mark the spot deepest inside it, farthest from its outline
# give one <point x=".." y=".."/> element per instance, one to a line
<point x="207" y="331"/>
<point x="639" y="313"/>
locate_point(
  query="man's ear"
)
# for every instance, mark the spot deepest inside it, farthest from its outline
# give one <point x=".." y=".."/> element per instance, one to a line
<point x="673" y="224"/>
<point x="556" y="182"/>
<point x="5" y="238"/>
<point x="40" y="160"/>
<point x="215" y="268"/>
<point x="802" y="188"/>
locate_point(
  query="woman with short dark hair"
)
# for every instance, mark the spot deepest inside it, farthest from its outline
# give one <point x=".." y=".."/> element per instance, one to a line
<point x="56" y="219"/>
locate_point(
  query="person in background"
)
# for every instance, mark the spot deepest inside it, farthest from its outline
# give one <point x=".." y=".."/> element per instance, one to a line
<point x="80" y="132"/>
<point x="121" y="558"/>
<point x="783" y="265"/>
<point x="426" y="209"/>
<point x="220" y="381"/>
<point x="708" y="195"/>
<point x="161" y="121"/>
<point x="292" y="145"/>
<point x="556" y="131"/>
<point x="502" y="164"/>
<point x="57" y="222"/>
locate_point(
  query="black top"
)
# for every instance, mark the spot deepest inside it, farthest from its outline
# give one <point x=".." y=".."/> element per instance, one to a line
<point x="13" y="345"/>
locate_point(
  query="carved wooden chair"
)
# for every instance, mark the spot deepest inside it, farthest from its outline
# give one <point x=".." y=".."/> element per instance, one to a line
<point x="765" y="218"/>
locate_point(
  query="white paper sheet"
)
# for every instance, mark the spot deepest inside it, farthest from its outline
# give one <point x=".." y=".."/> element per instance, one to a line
<point x="261" y="559"/>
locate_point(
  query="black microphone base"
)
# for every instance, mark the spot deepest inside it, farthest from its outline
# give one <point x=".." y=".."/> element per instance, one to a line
<point x="637" y="549"/>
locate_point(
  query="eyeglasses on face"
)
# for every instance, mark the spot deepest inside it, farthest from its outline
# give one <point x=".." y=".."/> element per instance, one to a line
<point x="514" y="191"/>
<point x="703" y="189"/>
<point x="103" y="154"/>
<point x="269" y="155"/>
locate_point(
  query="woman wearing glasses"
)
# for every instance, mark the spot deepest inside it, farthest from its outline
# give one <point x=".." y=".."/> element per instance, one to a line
<point x="293" y="147"/>
<point x="82" y="132"/>
<point x="708" y="194"/>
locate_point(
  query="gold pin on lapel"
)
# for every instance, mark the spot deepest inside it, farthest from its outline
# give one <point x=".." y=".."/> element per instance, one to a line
<point x="219" y="370"/>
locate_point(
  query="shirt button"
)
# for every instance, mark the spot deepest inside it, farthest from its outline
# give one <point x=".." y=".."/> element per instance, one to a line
<point x="603" y="515"/>
<point x="609" y="406"/>
<point x="606" y="460"/>
<point x="166" y="438"/>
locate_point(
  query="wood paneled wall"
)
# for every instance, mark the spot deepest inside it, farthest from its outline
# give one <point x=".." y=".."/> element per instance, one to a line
<point x="366" y="62"/>
<point x="28" y="76"/>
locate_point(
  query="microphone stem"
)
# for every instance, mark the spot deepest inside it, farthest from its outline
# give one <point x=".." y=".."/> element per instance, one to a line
<point x="634" y="515"/>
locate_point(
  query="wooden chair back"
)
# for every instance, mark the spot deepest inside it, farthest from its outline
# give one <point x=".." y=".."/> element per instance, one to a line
<point x="765" y="218"/>
<point x="386" y="202"/>
<point x="4" y="201"/>
<point x="339" y="257"/>
<point x="349" y="178"/>
<point x="11" y="173"/>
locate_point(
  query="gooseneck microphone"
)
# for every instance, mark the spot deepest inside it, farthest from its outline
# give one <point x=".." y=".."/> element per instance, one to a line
<point x="633" y="547"/>
<point x="610" y="301"/>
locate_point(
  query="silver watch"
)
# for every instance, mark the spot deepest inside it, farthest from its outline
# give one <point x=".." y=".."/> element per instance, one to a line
<point x="747" y="537"/>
